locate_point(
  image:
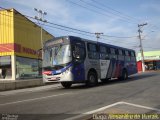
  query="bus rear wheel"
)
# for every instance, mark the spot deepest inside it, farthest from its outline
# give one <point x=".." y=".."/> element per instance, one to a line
<point x="66" y="84"/>
<point x="124" y="75"/>
<point x="92" y="79"/>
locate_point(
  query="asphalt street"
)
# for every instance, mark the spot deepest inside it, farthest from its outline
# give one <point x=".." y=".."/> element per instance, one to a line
<point x="55" y="102"/>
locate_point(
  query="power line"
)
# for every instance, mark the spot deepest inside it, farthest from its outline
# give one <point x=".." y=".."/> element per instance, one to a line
<point x="68" y="30"/>
<point x="65" y="29"/>
<point x="89" y="35"/>
<point x="81" y="30"/>
<point x="119" y="36"/>
<point x="73" y="29"/>
<point x="60" y="27"/>
<point x="92" y="10"/>
<point x="116" y="11"/>
<point x="121" y="17"/>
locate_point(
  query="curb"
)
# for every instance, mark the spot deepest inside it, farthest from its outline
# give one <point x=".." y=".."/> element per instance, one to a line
<point x="19" y="84"/>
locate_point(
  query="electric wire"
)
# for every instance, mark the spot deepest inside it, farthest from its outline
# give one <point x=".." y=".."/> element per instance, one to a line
<point x="121" y="17"/>
<point x="71" y="27"/>
<point x="73" y="31"/>
<point x="116" y="11"/>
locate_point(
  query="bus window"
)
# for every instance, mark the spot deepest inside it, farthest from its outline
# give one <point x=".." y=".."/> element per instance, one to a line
<point x="132" y="54"/>
<point x="78" y="52"/>
<point x="133" y="58"/>
<point x="120" y="54"/>
<point x="93" y="51"/>
<point x="126" y="53"/>
<point x="113" y="53"/>
<point x="127" y="56"/>
<point x="103" y="53"/>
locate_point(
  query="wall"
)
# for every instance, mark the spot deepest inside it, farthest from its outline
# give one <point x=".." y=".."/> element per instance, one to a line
<point x="27" y="36"/>
<point x="6" y="33"/>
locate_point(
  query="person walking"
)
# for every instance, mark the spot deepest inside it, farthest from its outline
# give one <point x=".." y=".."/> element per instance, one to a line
<point x="4" y="73"/>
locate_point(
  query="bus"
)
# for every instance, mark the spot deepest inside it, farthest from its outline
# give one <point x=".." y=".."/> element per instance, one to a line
<point x="71" y="59"/>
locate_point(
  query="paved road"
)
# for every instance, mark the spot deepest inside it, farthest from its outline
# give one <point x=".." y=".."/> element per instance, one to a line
<point x="142" y="89"/>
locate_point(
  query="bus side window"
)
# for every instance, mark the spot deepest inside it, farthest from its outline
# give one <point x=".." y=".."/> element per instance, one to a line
<point x="92" y="51"/>
<point x="133" y="58"/>
<point x="120" y="54"/>
<point x="78" y="52"/>
<point x="113" y="53"/>
<point x="104" y="53"/>
<point x="127" y="56"/>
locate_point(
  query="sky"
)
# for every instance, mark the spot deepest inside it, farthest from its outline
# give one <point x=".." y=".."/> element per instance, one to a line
<point x="117" y="19"/>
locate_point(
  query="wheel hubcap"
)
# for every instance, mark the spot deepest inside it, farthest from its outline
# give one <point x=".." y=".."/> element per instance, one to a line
<point x="92" y="79"/>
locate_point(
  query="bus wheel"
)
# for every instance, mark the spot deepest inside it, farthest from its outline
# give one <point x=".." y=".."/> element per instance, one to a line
<point x="92" y="79"/>
<point x="66" y="84"/>
<point x="124" y="75"/>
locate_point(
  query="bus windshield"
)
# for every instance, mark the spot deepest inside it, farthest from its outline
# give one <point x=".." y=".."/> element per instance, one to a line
<point x="57" y="55"/>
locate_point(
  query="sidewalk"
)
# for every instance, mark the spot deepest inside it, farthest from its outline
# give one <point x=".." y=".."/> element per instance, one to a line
<point x="18" y="84"/>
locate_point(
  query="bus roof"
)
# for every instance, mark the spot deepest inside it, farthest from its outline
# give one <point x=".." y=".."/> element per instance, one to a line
<point x="86" y="40"/>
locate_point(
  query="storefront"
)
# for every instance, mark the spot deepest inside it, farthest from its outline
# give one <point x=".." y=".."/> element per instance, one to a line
<point x="20" y="41"/>
<point x="151" y="59"/>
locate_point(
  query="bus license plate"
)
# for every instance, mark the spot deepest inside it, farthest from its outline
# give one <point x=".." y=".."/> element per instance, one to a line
<point x="54" y="78"/>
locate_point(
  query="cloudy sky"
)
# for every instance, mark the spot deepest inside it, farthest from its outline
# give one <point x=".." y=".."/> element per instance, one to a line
<point x="117" y="19"/>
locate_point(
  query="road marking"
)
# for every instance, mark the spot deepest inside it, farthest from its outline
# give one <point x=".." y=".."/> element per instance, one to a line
<point x="109" y="106"/>
<point x="141" y="106"/>
<point x="28" y="100"/>
<point x="103" y="108"/>
<point x="93" y="111"/>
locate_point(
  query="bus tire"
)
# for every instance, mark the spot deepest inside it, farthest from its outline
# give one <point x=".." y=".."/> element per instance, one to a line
<point x="124" y="75"/>
<point x="66" y="84"/>
<point x="92" y="79"/>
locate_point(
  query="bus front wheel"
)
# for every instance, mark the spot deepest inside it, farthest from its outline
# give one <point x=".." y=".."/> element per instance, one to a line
<point x="92" y="79"/>
<point x="66" y="84"/>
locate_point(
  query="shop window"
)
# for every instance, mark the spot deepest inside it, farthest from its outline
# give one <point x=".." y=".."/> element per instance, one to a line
<point x="28" y="68"/>
<point x="5" y="67"/>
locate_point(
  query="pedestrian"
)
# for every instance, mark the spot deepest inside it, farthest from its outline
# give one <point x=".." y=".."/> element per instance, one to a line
<point x="4" y="73"/>
<point x="146" y="67"/>
<point x="0" y="73"/>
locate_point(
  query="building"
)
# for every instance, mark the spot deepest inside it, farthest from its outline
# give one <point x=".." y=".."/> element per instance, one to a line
<point x="151" y="59"/>
<point x="20" y="39"/>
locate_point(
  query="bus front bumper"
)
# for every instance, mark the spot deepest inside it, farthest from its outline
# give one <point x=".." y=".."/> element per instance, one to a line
<point x="63" y="77"/>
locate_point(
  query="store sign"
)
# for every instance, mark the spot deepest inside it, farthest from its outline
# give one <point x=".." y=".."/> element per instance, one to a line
<point x="152" y="57"/>
<point x="21" y="49"/>
<point x="28" y="51"/>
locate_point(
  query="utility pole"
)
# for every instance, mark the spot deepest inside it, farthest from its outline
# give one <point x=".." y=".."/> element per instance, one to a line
<point x="41" y="20"/>
<point x="141" y="47"/>
<point x="98" y="35"/>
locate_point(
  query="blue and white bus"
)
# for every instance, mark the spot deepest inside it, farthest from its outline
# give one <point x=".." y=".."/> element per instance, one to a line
<point x="72" y="59"/>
